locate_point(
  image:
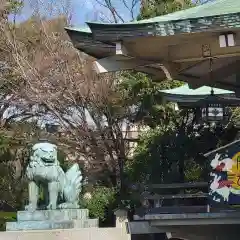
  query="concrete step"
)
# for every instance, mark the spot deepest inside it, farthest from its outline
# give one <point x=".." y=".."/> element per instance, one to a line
<point x="48" y="225"/>
<point x="69" y="234"/>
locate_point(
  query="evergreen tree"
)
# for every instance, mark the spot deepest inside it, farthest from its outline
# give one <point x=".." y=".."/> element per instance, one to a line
<point x="154" y="8"/>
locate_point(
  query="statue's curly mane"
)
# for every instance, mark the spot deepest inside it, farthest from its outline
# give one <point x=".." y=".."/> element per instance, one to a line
<point x="44" y="154"/>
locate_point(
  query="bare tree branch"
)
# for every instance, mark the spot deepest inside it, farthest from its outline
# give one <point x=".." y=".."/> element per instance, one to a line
<point x="116" y="15"/>
<point x="60" y="80"/>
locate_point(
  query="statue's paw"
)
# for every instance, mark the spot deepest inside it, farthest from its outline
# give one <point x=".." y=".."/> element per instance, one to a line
<point x="63" y="206"/>
<point x="51" y="206"/>
<point x="30" y="207"/>
<point x="68" y="205"/>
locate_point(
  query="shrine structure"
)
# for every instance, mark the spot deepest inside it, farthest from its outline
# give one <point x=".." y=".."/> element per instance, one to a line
<point x="178" y="46"/>
<point x="186" y="97"/>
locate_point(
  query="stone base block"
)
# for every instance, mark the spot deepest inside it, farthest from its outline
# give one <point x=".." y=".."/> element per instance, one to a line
<point x="55" y="215"/>
<point x="89" y="223"/>
<point x="48" y="225"/>
<point x="69" y="234"/>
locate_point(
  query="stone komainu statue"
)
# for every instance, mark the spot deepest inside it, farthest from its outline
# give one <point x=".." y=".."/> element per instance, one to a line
<point x="61" y="190"/>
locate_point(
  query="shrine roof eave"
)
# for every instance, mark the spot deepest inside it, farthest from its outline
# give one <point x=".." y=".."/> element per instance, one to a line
<point x="198" y="101"/>
<point x="213" y="16"/>
<point x="115" y="33"/>
<point x="189" y="100"/>
<point x="185" y="96"/>
<point x="82" y="40"/>
<point x="202" y="91"/>
<point x="212" y="8"/>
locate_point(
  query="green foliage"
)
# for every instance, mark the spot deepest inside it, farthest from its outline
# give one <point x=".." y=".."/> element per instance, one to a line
<point x="101" y="204"/>
<point x="12" y="6"/>
<point x="16" y="5"/>
<point x="171" y="150"/>
<point x="6" y="217"/>
<point x="62" y="160"/>
<point x="194" y="170"/>
<point x="235" y="117"/>
<point x="154" y="8"/>
<point x="14" y="156"/>
<point x="13" y="190"/>
<point x="142" y="95"/>
<point x="174" y="153"/>
<point x="4" y="148"/>
<point x="155" y="157"/>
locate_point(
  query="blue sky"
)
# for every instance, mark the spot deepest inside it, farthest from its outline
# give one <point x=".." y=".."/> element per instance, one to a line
<point x="81" y="10"/>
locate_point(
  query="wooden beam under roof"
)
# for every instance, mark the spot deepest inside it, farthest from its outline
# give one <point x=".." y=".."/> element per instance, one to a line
<point x="216" y="75"/>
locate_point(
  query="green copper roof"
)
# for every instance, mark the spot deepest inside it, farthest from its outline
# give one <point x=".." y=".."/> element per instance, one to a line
<point x="204" y="90"/>
<point x="218" y="7"/>
<point x="214" y="8"/>
<point x="219" y="15"/>
<point x="185" y="96"/>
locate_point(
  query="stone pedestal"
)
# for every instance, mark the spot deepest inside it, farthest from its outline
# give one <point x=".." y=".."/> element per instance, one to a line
<point x="52" y="219"/>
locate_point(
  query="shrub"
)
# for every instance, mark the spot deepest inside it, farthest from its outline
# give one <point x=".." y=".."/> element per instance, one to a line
<point x="101" y="204"/>
<point x="6" y="217"/>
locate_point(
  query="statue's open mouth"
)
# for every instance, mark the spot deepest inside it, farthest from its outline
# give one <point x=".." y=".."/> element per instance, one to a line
<point x="48" y="160"/>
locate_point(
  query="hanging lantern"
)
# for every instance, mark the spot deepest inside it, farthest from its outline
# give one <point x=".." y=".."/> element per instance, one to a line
<point x="216" y="109"/>
<point x="213" y="110"/>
